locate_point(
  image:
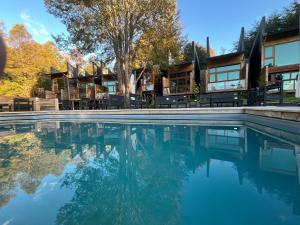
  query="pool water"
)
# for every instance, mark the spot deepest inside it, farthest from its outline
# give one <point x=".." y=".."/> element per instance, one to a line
<point x="134" y="174"/>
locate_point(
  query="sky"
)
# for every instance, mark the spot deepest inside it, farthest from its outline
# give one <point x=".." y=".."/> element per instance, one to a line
<point x="221" y="20"/>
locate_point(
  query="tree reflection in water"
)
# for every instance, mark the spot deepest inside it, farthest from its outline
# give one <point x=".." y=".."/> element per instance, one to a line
<point x="127" y="185"/>
<point x="24" y="163"/>
<point x="134" y="173"/>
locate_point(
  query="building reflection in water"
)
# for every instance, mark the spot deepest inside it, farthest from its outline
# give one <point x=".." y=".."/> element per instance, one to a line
<point x="140" y="167"/>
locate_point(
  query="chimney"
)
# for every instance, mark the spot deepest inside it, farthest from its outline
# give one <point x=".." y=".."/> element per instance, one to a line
<point x="207" y="47"/>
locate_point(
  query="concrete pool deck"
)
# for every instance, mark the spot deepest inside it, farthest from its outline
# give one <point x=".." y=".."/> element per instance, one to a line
<point x="284" y="113"/>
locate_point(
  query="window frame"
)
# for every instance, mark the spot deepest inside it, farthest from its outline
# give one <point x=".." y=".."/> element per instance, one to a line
<point x="186" y="76"/>
<point x="274" y="52"/>
<point x="227" y="72"/>
<point x="223" y="72"/>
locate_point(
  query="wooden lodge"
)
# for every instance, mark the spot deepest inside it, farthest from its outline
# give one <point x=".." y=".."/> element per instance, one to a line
<point x="275" y="56"/>
<point x="228" y="72"/>
<point x="281" y="57"/>
<point x="74" y="84"/>
<point x="181" y="79"/>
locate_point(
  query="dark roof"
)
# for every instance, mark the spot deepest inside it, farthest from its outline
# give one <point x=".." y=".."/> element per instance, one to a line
<point x="85" y="79"/>
<point x="225" y="56"/>
<point x="292" y="31"/>
<point x="110" y="77"/>
<point x="58" y="75"/>
<point x="184" y="63"/>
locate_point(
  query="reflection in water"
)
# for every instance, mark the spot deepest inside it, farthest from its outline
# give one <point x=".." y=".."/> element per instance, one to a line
<point x="146" y="174"/>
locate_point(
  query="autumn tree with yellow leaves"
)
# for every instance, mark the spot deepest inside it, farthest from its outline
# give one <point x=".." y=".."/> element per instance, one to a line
<point x="27" y="62"/>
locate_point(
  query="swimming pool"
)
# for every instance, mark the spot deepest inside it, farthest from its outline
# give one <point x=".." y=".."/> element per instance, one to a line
<point x="163" y="172"/>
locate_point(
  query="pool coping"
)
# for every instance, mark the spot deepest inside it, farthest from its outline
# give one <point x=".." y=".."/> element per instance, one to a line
<point x="284" y="113"/>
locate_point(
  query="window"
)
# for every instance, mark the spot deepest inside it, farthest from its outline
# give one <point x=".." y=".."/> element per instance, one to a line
<point x="282" y="54"/>
<point x="228" y="68"/>
<point x="111" y="86"/>
<point x="268" y="52"/>
<point x="294" y="75"/>
<point x="287" y="54"/>
<point x="229" y="85"/>
<point x="289" y="80"/>
<point x="180" y="83"/>
<point x="212" y="78"/>
<point x="225" y="77"/>
<point x="269" y="62"/>
<point x="222" y="76"/>
<point x="234" y="75"/>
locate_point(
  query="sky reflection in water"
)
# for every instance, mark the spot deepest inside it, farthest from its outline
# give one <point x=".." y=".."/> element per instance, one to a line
<point x="111" y="173"/>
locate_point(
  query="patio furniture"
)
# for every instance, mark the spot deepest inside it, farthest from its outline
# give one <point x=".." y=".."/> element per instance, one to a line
<point x="182" y="100"/>
<point x="23" y="104"/>
<point x="6" y="103"/>
<point x="101" y="103"/>
<point x="137" y="101"/>
<point x="7" y="106"/>
<point x="229" y="97"/>
<point x="168" y="101"/>
<point x="116" y="101"/>
<point x="85" y="104"/>
<point x="255" y="96"/>
<point x="66" y="105"/>
<point x="271" y="94"/>
<point x="200" y="100"/>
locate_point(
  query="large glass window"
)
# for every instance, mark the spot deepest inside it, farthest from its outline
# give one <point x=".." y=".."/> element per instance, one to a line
<point x="225" y="77"/>
<point x="232" y="85"/>
<point x="287" y="54"/>
<point x="268" y="52"/>
<point x="212" y="78"/>
<point x="282" y="54"/>
<point x="235" y="75"/>
<point x="111" y="86"/>
<point x="180" y="83"/>
<point x="222" y="76"/>
<point x="269" y="62"/>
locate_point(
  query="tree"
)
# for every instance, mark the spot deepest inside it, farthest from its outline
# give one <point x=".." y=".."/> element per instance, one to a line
<point x="188" y="52"/>
<point x="277" y="21"/>
<point x="158" y="44"/>
<point x="114" y="27"/>
<point x="24" y="154"/>
<point x="27" y="61"/>
<point x="18" y="35"/>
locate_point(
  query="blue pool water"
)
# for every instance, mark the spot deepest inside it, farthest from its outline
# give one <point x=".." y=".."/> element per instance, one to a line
<point x="134" y="174"/>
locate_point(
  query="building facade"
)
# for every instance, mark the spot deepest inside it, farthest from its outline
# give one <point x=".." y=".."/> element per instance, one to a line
<point x="228" y="72"/>
<point x="281" y="58"/>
